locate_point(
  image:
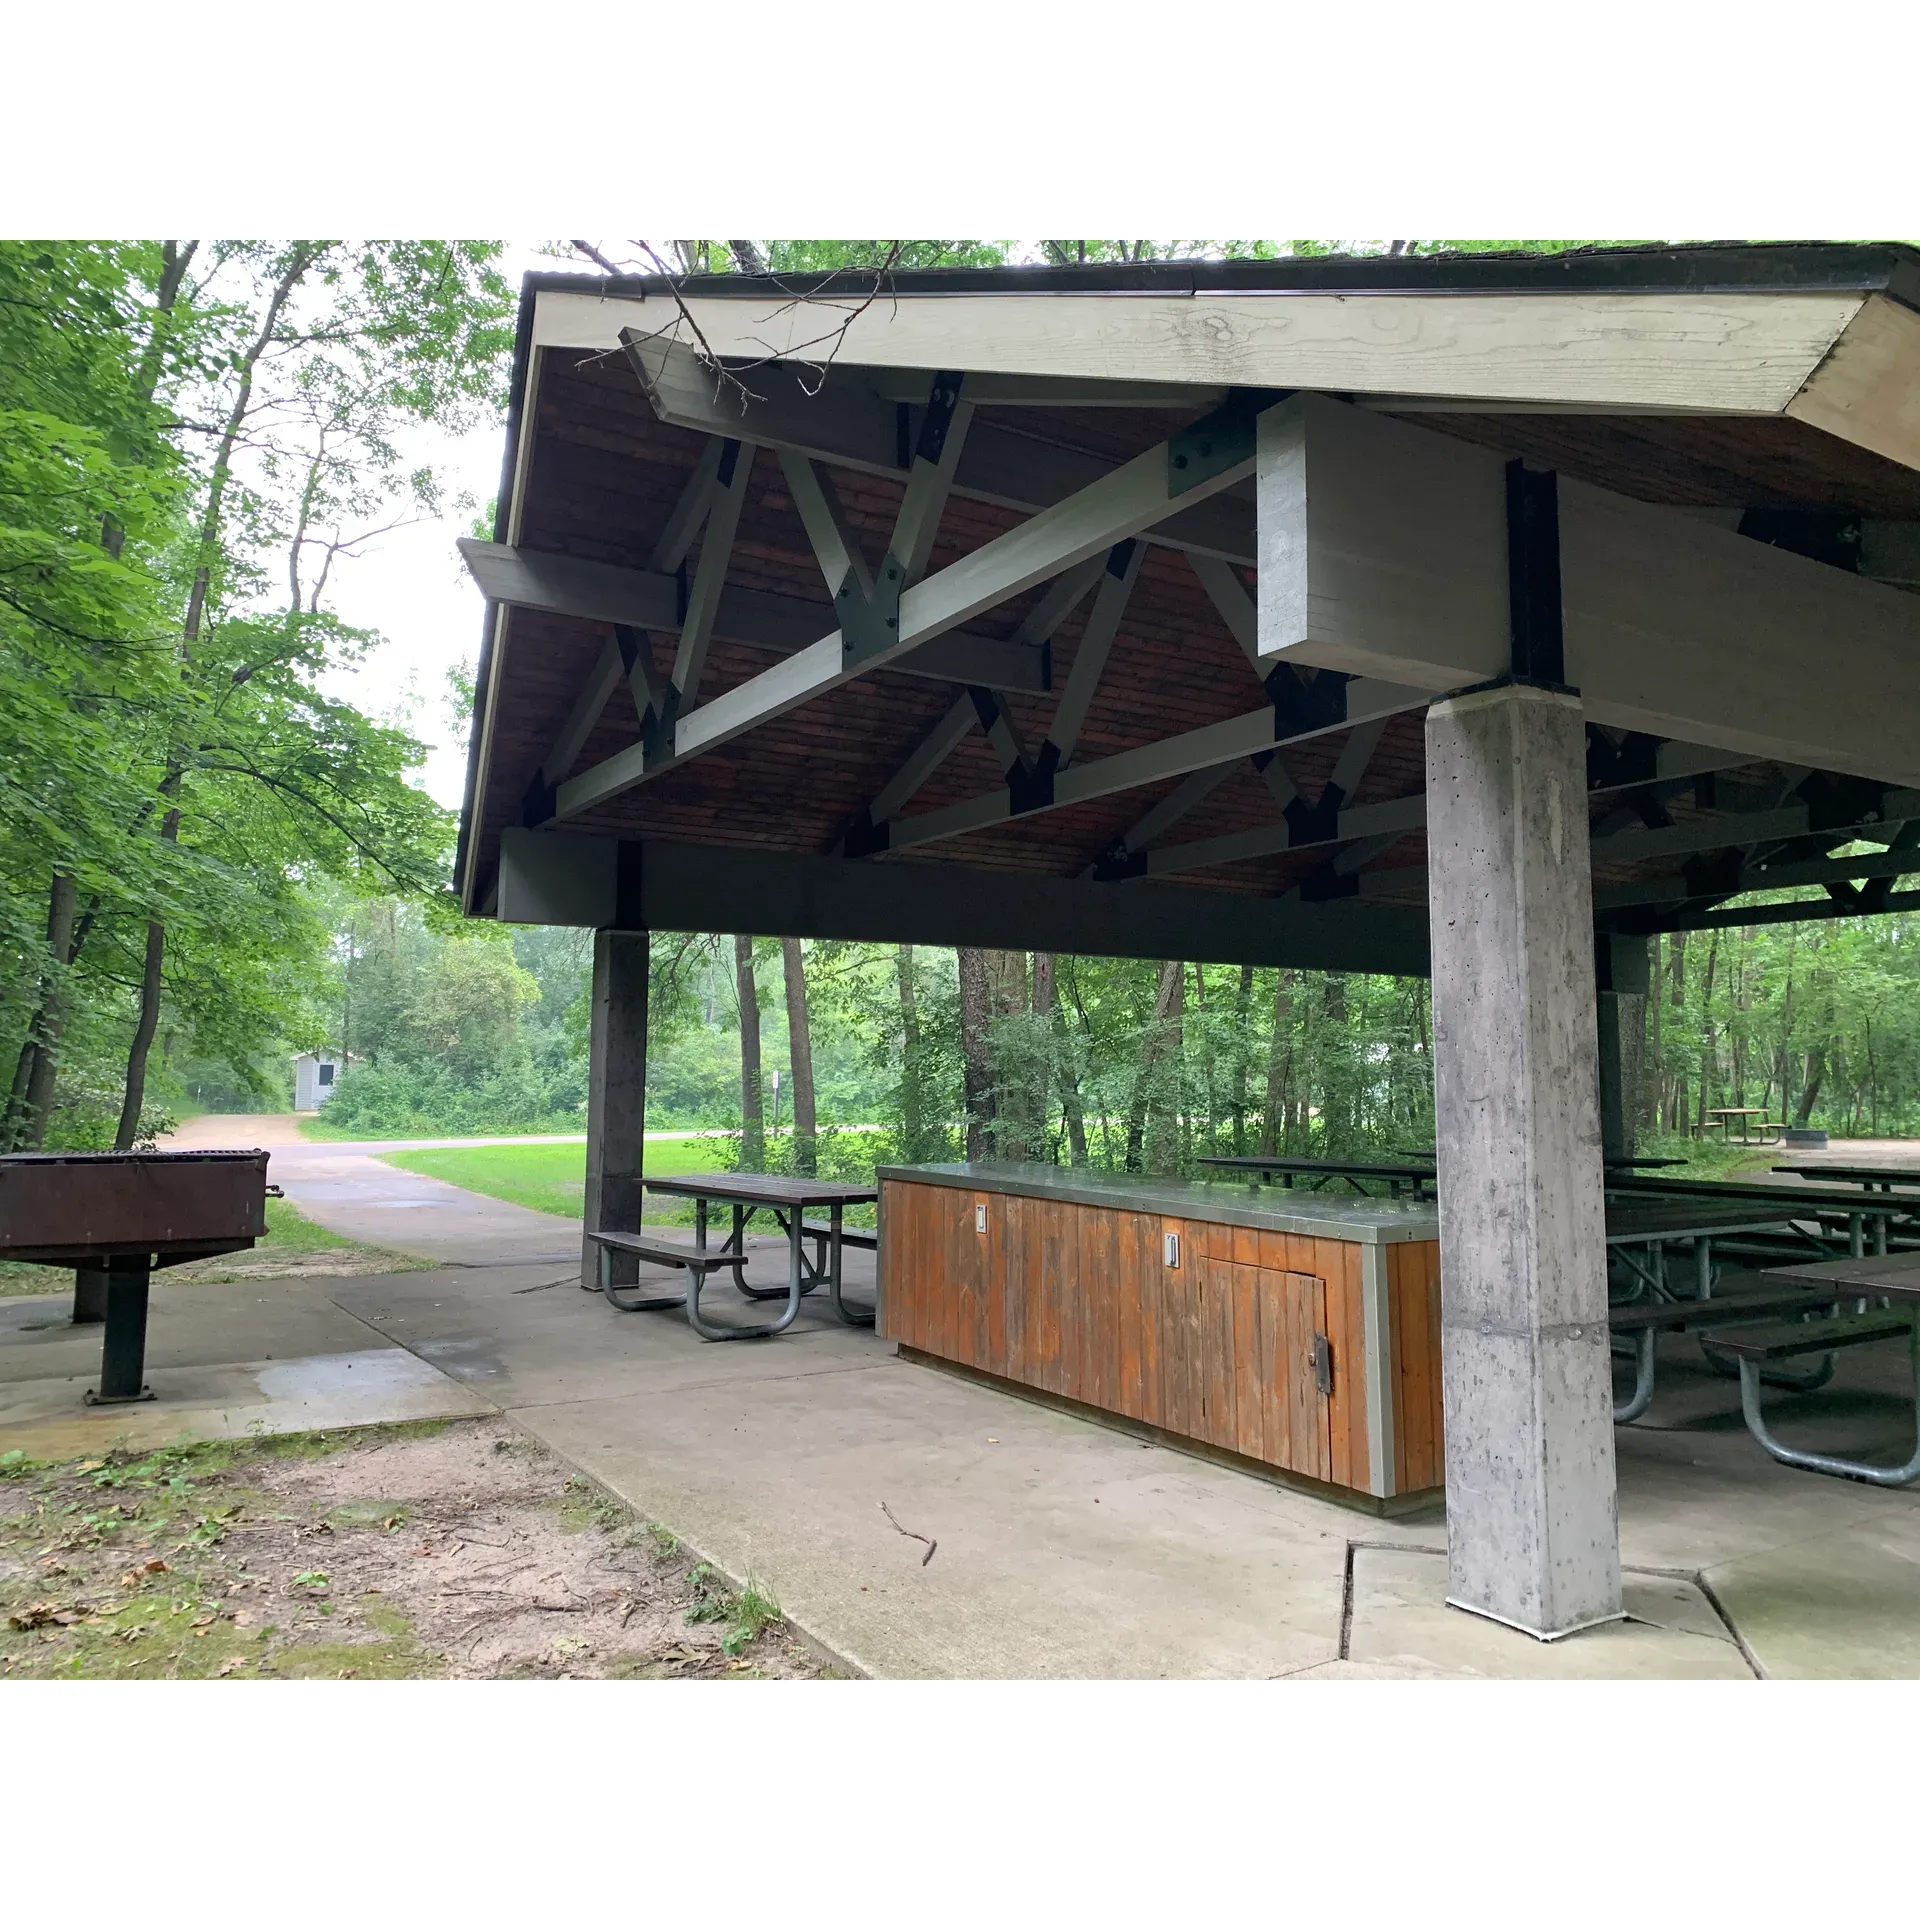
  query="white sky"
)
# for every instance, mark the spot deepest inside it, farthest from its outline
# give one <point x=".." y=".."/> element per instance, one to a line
<point x="410" y="587"/>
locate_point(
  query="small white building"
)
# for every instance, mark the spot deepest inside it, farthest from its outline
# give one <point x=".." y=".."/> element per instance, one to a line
<point x="315" y="1075"/>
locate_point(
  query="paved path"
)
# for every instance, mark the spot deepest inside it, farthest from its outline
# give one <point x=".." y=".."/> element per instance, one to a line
<point x="343" y="1186"/>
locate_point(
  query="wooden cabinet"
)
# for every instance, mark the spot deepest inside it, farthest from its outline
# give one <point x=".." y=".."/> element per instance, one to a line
<point x="1249" y="1339"/>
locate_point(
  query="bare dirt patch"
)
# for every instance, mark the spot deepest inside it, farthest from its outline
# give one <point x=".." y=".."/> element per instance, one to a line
<point x="460" y="1550"/>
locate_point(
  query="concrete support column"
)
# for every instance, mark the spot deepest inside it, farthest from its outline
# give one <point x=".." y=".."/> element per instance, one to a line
<point x="616" y="1093"/>
<point x="1532" y="1531"/>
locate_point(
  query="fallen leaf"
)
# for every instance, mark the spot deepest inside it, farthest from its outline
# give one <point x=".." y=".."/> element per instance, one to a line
<point x="231" y="1667"/>
<point x="30" y="1618"/>
<point x="90" y="1466"/>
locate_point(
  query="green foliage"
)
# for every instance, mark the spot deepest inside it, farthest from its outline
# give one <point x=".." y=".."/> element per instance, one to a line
<point x="190" y="434"/>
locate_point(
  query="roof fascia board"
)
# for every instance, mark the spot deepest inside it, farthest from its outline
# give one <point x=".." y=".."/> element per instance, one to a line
<point x="1771" y="266"/>
<point x="1719" y="352"/>
<point x="1867" y="388"/>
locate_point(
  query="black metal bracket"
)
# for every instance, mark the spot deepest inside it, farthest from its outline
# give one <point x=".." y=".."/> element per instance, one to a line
<point x="1030" y="788"/>
<point x="1301" y="705"/>
<point x="870" y="623"/>
<point x="539" y="804"/>
<point x="1538" y="656"/>
<point x="942" y="401"/>
<point x="1634" y="760"/>
<point x="1224" y="439"/>
<point x="866" y="837"/>
<point x="1119" y="862"/>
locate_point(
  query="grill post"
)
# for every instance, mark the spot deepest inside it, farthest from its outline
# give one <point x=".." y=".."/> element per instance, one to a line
<point x="89" y="1293"/>
<point x="123" y="1351"/>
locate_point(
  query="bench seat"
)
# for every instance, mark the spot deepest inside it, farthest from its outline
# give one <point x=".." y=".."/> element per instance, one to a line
<point x="1684" y="1316"/>
<point x="1764" y="1343"/>
<point x="669" y="1253"/>
<point x="849" y="1237"/>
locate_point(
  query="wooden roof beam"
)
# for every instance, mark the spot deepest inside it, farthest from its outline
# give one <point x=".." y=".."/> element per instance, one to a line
<point x="576" y="879"/>
<point x="1123" y="502"/>
<point x="836" y="417"/>
<point x="744" y="616"/>
<point x="1384" y="553"/>
<point x="1224" y="742"/>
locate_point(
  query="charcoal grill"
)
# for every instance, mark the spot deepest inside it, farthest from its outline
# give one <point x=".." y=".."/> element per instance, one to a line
<point x="115" y="1218"/>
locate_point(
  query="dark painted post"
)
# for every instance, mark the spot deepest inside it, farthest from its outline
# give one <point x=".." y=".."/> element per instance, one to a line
<point x="123" y="1348"/>
<point x="616" y="1095"/>
<point x="90" y="1293"/>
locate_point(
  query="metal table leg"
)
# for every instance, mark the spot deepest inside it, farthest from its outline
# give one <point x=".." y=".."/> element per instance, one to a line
<point x="123" y="1349"/>
<point x="836" y="1252"/>
<point x="1901" y="1476"/>
<point x="709" y="1330"/>
<point x="1703" y="1268"/>
<point x="650" y="1303"/>
<point x="1643" y="1339"/>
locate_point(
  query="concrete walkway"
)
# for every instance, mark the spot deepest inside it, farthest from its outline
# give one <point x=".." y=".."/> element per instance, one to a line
<point x="343" y="1186"/>
<point x="1065" y="1548"/>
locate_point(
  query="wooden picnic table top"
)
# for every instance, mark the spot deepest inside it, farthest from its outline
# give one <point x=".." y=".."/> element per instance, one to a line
<point x="1687" y="1216"/>
<point x="1895" y="1276"/>
<point x="1736" y="1112"/>
<point x="762" y="1189"/>
<point x="1798" y="1198"/>
<point x="1281" y="1163"/>
<point x="1863" y="1176"/>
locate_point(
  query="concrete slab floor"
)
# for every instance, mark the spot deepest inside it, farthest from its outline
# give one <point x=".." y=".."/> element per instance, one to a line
<point x="1065" y="1548"/>
<point x="1400" y="1619"/>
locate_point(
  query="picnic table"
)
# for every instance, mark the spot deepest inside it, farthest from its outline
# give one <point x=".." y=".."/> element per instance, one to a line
<point x="1655" y="1221"/>
<point x="1727" y="1115"/>
<point x="1315" y="1174"/>
<point x="1890" y="1282"/>
<point x="1860" y="1209"/>
<point x="1874" y="1179"/>
<point x="787" y="1199"/>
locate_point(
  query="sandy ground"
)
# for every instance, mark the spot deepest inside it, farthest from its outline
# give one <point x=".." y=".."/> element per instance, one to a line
<point x="462" y="1552"/>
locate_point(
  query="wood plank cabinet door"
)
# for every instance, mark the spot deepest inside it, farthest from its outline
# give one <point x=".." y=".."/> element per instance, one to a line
<point x="1291" y="1308"/>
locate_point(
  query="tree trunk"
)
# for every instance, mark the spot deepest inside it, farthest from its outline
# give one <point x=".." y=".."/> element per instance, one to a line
<point x="148" y="1023"/>
<point x="31" y="1100"/>
<point x="1072" y="1103"/>
<point x="1046" y="1013"/>
<point x="1012" y="1093"/>
<point x="753" y="1125"/>
<point x="1810" y="1092"/>
<point x="1710" y="1039"/>
<point x="913" y="1092"/>
<point x="1242" y="1033"/>
<point x="806" y="1132"/>
<point x="1162" y="1077"/>
<point x="976" y="1067"/>
<point x="1279" y="1065"/>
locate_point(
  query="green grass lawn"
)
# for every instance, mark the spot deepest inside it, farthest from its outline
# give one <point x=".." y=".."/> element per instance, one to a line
<point x="547" y="1177"/>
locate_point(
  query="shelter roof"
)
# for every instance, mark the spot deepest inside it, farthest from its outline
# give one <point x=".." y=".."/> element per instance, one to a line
<point x="1768" y="390"/>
